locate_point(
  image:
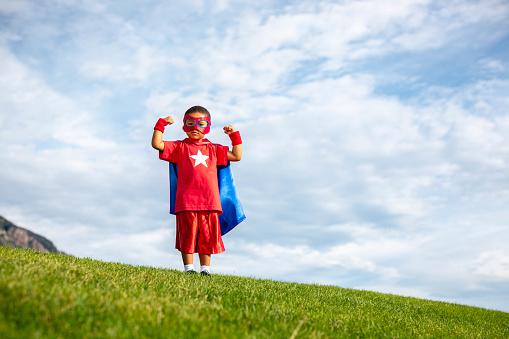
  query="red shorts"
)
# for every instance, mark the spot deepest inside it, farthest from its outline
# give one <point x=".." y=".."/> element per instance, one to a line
<point x="199" y="231"/>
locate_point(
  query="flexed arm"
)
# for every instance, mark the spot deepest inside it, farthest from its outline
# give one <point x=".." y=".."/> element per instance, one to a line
<point x="157" y="137"/>
<point x="236" y="153"/>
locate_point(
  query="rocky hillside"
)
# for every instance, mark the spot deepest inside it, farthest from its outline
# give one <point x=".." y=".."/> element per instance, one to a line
<point x="14" y="236"/>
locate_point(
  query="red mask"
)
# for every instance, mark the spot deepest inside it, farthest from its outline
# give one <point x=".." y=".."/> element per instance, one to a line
<point x="202" y="124"/>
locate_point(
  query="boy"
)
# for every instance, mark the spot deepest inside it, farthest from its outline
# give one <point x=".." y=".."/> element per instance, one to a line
<point x="198" y="204"/>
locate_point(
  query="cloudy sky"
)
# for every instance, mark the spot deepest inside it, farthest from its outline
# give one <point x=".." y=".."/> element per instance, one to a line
<point x="376" y="135"/>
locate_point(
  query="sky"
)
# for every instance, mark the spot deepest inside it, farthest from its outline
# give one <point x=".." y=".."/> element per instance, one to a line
<point x="376" y="135"/>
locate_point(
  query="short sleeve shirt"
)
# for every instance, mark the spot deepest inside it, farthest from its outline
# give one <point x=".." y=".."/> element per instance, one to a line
<point x="197" y="186"/>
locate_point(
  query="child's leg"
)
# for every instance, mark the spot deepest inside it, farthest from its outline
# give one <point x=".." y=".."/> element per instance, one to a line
<point x="205" y="263"/>
<point x="205" y="259"/>
<point x="186" y="234"/>
<point x="187" y="258"/>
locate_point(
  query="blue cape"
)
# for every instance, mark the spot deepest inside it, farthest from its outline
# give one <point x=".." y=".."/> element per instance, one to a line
<point x="233" y="213"/>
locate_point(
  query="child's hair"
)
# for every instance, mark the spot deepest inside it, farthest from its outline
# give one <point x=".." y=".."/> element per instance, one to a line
<point x="198" y="109"/>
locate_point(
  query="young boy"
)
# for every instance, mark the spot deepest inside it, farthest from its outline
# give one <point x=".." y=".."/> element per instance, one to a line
<point x="198" y="203"/>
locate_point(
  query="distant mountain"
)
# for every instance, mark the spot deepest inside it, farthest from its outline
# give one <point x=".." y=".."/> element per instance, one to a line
<point x="14" y="236"/>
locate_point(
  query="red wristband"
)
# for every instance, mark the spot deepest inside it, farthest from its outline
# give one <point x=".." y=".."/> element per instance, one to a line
<point x="235" y="138"/>
<point x="160" y="124"/>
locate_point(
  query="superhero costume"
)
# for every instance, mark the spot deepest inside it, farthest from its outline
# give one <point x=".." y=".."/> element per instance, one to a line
<point x="233" y="213"/>
<point x="181" y="201"/>
<point x="197" y="184"/>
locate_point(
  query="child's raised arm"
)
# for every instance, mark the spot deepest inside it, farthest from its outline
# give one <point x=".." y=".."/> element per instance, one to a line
<point x="157" y="137"/>
<point x="236" y="153"/>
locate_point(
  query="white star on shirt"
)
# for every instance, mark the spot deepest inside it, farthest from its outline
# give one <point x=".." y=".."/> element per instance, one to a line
<point x="199" y="159"/>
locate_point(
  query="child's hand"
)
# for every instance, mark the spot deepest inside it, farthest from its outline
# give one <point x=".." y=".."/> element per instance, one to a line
<point x="229" y="129"/>
<point x="169" y="120"/>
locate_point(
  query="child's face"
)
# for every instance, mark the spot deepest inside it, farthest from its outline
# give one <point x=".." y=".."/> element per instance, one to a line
<point x="195" y="133"/>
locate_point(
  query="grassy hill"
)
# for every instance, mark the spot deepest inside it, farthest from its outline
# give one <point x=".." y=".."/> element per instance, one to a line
<point x="57" y="296"/>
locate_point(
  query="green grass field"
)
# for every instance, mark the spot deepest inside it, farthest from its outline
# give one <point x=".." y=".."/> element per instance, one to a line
<point x="59" y="296"/>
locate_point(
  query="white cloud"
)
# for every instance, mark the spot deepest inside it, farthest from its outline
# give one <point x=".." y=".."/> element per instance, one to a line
<point x="142" y="63"/>
<point x="35" y="112"/>
<point x="494" y="65"/>
<point x="19" y="6"/>
<point x="61" y="162"/>
<point x="492" y="264"/>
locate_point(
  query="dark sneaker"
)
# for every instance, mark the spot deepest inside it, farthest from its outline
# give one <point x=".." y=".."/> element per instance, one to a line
<point x="206" y="273"/>
<point x="191" y="272"/>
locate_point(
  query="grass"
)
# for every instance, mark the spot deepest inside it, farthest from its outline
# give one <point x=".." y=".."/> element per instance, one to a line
<point x="58" y="296"/>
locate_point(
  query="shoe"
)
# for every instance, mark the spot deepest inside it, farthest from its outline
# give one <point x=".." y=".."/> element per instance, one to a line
<point x="206" y="273"/>
<point x="191" y="272"/>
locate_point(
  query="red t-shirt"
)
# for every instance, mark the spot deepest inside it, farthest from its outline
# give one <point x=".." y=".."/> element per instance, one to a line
<point x="197" y="187"/>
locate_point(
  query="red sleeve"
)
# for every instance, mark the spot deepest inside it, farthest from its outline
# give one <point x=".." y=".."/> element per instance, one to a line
<point x="222" y="155"/>
<point x="170" y="153"/>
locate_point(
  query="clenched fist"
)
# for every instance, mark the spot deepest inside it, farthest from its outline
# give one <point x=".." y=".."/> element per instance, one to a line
<point x="229" y="129"/>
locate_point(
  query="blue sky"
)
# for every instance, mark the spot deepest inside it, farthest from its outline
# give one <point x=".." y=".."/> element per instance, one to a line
<point x="376" y="135"/>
